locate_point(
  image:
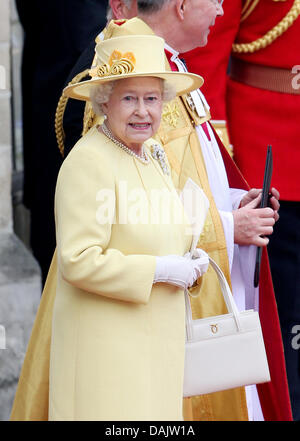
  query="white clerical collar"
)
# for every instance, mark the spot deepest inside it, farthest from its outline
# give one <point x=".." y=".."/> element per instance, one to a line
<point x="172" y="51"/>
<point x="200" y="102"/>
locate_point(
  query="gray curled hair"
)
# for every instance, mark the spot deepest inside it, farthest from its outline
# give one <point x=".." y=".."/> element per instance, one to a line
<point x="100" y="94"/>
<point x="151" y="6"/>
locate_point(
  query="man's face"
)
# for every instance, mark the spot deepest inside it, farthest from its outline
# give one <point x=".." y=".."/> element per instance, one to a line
<point x="199" y="16"/>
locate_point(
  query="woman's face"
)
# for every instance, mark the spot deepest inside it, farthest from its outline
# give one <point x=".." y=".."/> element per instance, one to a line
<point x="134" y="110"/>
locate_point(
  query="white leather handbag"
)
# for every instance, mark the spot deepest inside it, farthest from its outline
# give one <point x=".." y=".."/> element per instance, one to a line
<point x="224" y="351"/>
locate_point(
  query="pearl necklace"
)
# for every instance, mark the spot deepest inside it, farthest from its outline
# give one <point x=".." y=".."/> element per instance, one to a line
<point x="143" y="158"/>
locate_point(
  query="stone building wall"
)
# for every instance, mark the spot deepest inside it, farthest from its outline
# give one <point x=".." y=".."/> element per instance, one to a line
<point x="20" y="285"/>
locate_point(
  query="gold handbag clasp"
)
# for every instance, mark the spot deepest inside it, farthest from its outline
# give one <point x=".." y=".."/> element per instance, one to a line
<point x="214" y="328"/>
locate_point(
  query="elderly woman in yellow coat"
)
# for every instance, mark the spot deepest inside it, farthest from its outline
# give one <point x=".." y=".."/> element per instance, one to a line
<point x="118" y="332"/>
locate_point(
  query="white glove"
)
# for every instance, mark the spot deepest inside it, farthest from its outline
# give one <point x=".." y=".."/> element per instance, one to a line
<point x="181" y="271"/>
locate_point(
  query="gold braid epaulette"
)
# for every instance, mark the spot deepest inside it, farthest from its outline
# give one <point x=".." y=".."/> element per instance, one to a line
<point x="248" y="8"/>
<point x="60" y="110"/>
<point x="271" y="35"/>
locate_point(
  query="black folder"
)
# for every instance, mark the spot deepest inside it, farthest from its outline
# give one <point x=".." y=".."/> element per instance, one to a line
<point x="263" y="204"/>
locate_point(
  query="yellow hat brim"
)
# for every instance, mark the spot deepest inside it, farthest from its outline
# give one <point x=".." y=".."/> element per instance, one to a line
<point x="182" y="82"/>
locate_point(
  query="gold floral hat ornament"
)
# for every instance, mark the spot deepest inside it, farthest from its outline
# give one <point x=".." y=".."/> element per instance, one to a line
<point x="132" y="56"/>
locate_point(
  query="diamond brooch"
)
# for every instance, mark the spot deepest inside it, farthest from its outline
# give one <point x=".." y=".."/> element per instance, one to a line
<point x="159" y="154"/>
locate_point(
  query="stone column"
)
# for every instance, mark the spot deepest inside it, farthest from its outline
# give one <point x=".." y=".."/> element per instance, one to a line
<point x="20" y="286"/>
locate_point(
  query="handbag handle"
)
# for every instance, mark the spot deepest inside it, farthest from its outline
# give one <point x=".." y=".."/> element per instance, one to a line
<point x="228" y="297"/>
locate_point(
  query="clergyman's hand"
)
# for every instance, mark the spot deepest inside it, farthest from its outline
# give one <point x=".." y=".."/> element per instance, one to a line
<point x="255" y="193"/>
<point x="251" y="224"/>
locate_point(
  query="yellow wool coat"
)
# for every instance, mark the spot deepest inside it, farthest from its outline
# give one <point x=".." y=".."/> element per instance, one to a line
<point x="117" y="348"/>
<point x="184" y="153"/>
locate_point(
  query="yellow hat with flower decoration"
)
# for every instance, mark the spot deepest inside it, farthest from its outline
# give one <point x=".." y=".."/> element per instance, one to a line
<point x="132" y="56"/>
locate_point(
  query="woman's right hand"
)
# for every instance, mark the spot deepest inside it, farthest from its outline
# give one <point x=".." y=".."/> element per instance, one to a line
<point x="181" y="271"/>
